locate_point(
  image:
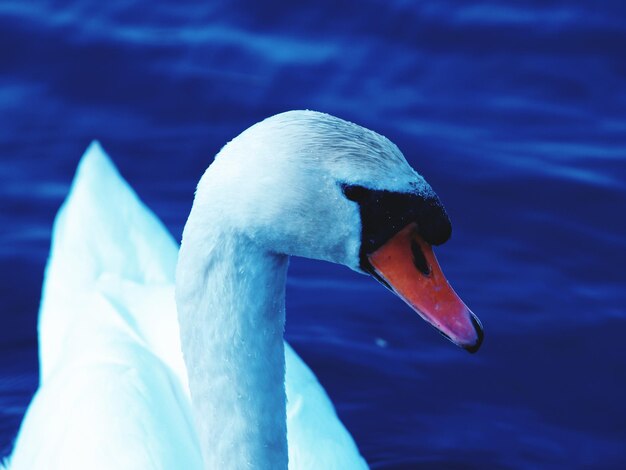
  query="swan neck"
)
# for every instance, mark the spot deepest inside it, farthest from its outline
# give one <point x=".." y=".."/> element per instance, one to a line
<point x="231" y="304"/>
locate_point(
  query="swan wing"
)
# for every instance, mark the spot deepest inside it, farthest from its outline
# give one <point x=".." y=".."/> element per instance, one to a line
<point x="107" y="398"/>
<point x="113" y="386"/>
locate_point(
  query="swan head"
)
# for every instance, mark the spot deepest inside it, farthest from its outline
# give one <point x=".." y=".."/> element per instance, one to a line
<point x="308" y="184"/>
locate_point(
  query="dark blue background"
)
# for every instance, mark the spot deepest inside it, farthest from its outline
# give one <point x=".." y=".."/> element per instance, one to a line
<point x="516" y="114"/>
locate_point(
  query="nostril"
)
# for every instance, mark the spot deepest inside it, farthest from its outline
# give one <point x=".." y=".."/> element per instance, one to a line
<point x="419" y="260"/>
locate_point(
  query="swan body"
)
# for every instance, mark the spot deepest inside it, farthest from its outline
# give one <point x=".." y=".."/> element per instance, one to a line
<point x="113" y="385"/>
<point x="137" y="373"/>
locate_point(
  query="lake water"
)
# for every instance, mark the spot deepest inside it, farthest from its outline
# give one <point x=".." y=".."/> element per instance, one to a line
<point x="516" y="115"/>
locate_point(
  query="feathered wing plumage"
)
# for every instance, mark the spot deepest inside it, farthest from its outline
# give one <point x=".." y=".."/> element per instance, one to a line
<point x="113" y="390"/>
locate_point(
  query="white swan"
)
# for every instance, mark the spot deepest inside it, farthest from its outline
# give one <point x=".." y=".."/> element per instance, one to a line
<point x="114" y="390"/>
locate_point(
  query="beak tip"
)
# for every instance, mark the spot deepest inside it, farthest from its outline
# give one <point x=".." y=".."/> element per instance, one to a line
<point x="480" y="335"/>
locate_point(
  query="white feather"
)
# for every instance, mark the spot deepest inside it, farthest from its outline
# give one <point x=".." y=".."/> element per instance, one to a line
<point x="115" y="391"/>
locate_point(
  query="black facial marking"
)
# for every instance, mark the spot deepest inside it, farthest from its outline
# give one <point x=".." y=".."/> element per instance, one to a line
<point x="419" y="260"/>
<point x="385" y="213"/>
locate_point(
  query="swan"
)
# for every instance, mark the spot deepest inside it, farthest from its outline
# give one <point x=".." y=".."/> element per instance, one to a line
<point x="151" y="358"/>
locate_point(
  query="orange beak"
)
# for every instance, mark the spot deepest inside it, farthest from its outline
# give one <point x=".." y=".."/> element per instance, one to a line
<point x="407" y="264"/>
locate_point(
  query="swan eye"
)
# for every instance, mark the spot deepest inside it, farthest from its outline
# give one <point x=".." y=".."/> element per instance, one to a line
<point x="385" y="213"/>
<point x="354" y="192"/>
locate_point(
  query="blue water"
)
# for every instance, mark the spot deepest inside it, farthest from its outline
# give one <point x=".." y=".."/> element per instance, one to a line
<point x="515" y="113"/>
